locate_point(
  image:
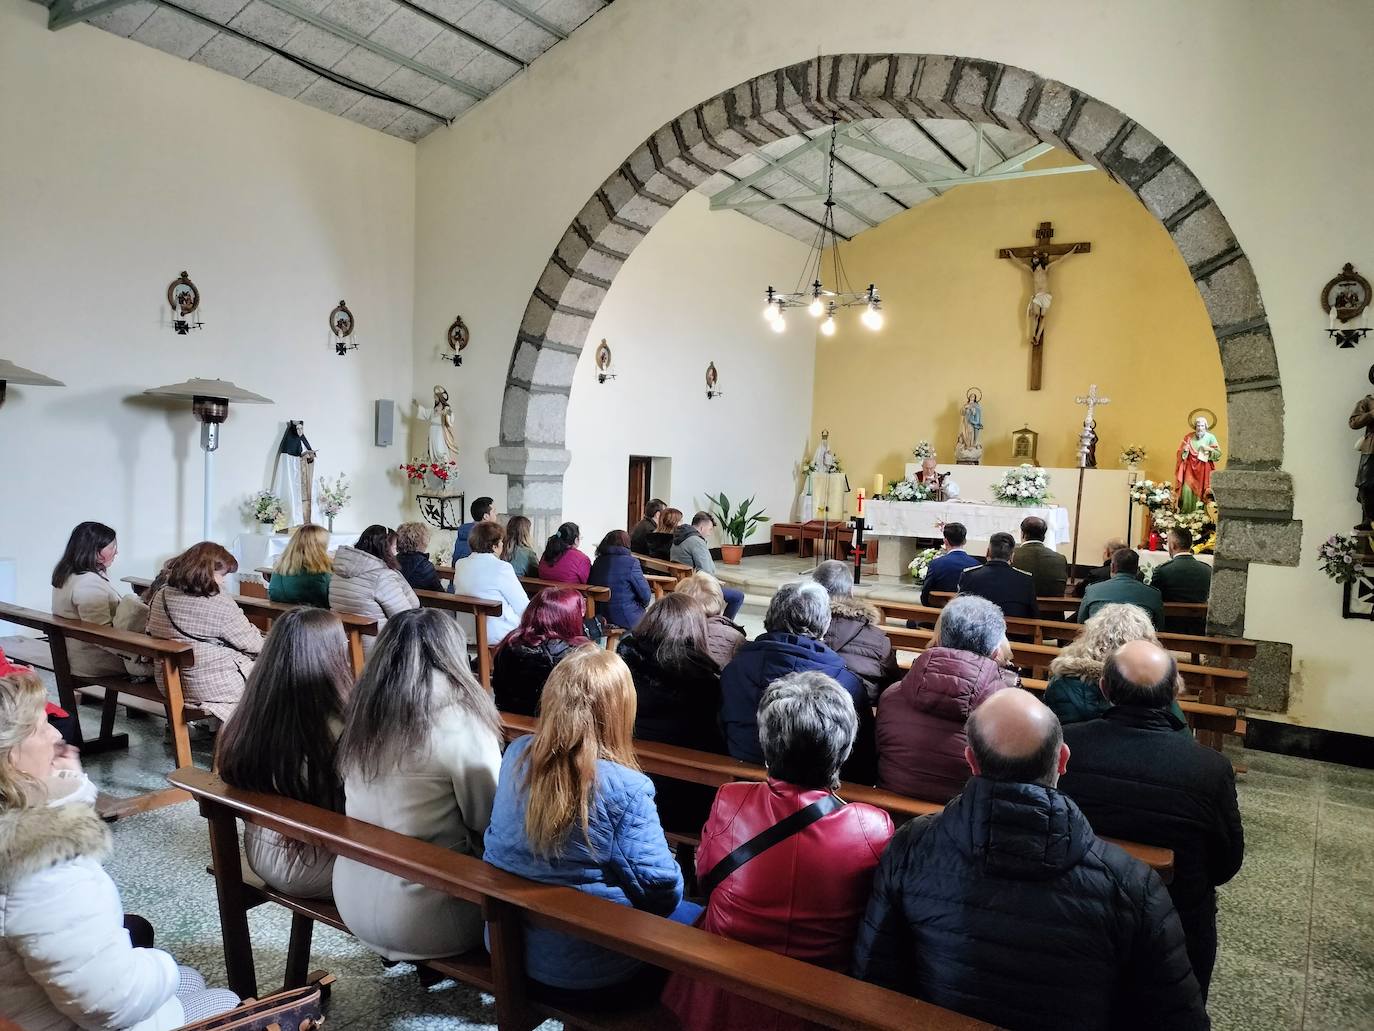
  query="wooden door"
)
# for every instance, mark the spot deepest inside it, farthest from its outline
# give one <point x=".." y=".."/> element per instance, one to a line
<point x="641" y="471"/>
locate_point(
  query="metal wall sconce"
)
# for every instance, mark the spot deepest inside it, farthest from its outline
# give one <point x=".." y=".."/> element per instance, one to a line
<point x="1345" y="299"/>
<point x="457" y="338"/>
<point x="603" y="363"/>
<point x="341" y="326"/>
<point x="183" y="297"/>
<point x="712" y="377"/>
<point x="11" y="373"/>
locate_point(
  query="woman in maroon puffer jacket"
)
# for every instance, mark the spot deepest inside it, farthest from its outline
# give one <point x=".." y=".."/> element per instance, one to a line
<point x="805" y="896"/>
<point x="921" y="719"/>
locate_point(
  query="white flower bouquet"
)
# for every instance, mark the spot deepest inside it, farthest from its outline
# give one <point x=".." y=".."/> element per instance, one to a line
<point x="1132" y="455"/>
<point x="1026" y="485"/>
<point x="924" y="449"/>
<point x="920" y="565"/>
<point x="908" y="490"/>
<point x="1338" y="557"/>
<point x="264" y="507"/>
<point x="1152" y="495"/>
<point x="334" y="497"/>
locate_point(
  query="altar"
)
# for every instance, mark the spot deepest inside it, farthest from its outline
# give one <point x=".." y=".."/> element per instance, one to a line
<point x="252" y="550"/>
<point x="982" y="520"/>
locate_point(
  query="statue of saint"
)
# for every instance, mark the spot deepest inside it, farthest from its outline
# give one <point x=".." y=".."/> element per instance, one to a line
<point x="967" y="449"/>
<point x="1197" y="459"/>
<point x="1363" y="418"/>
<point x="824" y="459"/>
<point x="294" y="476"/>
<point x="442" y="448"/>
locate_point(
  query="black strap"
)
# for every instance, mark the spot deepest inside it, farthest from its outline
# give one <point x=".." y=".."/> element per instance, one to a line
<point x="780" y="831"/>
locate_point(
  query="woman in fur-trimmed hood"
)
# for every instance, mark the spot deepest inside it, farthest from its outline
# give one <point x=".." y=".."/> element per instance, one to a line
<point x="1073" y="691"/>
<point x="856" y="631"/>
<point x="66" y="961"/>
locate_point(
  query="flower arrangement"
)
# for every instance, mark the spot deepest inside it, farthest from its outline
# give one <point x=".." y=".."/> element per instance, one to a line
<point x="809" y="466"/>
<point x="1027" y="485"/>
<point x="419" y="468"/>
<point x="334" y="496"/>
<point x="1338" y="557"/>
<point x="265" y="507"/>
<point x="1154" y="496"/>
<point x="1192" y="521"/>
<point x="920" y="565"/>
<point x="1132" y="455"/>
<point x="924" y="449"/>
<point x="908" y="490"/>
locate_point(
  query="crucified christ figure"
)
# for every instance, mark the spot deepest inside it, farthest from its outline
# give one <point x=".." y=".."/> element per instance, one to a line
<point x="1037" y="259"/>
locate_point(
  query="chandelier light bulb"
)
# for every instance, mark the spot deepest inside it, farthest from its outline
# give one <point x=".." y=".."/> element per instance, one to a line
<point x="779" y="323"/>
<point x="828" y="326"/>
<point x="770" y="312"/>
<point x="872" y="317"/>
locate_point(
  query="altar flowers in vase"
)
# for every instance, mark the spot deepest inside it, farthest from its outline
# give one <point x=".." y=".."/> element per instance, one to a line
<point x="909" y="490"/>
<point x="1026" y="485"/>
<point x="920" y="565"/>
<point x="334" y="497"/>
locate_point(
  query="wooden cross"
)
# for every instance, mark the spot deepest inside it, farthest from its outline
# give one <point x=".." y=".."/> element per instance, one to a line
<point x="1038" y="258"/>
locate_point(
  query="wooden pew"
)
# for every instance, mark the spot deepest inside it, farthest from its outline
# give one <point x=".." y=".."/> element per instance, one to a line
<point x="660" y="584"/>
<point x="1229" y="650"/>
<point x="171" y="656"/>
<point x="508" y="903"/>
<point x="676" y="570"/>
<point x="713" y="770"/>
<point x="1192" y="609"/>
<point x="478" y="609"/>
<point x="591" y="592"/>
<point x="355" y="627"/>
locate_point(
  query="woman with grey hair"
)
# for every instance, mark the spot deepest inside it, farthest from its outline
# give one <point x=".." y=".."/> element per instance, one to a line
<point x="795" y="625"/>
<point x="856" y="631"/>
<point x="804" y="896"/>
<point x="921" y="736"/>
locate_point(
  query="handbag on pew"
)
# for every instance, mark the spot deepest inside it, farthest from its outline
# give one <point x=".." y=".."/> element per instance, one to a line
<point x="295" y="1009"/>
<point x="760" y="843"/>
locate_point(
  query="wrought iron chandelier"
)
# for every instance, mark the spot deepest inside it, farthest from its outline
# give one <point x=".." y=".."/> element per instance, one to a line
<point x="811" y="293"/>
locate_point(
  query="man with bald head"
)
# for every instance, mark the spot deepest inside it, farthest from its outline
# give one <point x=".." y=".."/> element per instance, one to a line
<point x="1005" y="906"/>
<point x="1135" y="778"/>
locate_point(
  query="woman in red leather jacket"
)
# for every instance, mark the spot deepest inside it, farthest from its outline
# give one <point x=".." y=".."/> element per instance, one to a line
<point x="804" y="896"/>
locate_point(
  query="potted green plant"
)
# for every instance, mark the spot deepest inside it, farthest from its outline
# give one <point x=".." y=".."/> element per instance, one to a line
<point x="736" y="524"/>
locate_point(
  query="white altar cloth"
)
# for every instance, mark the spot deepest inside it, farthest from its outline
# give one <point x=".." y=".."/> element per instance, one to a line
<point x="263" y="549"/>
<point x="927" y="519"/>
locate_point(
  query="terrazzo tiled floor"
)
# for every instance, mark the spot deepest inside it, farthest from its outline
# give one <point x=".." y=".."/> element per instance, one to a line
<point x="1296" y="925"/>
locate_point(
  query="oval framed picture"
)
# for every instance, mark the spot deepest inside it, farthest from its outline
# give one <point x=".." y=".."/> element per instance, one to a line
<point x="603" y="357"/>
<point x="182" y="295"/>
<point x="458" y="335"/>
<point x="712" y="377"/>
<point x="341" y="322"/>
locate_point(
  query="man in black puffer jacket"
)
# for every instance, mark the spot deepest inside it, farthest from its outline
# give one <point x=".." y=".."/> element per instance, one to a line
<point x="1008" y="908"/>
<point x="1135" y="778"/>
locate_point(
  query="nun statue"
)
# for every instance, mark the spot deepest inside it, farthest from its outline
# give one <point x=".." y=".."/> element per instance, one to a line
<point x="292" y="480"/>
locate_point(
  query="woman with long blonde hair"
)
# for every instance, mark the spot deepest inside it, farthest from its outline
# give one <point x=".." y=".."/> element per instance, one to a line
<point x="572" y="808"/>
<point x="1075" y="674"/>
<point x="301" y="576"/>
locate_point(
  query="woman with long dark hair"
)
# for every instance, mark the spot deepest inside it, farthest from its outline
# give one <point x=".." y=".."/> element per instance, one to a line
<point x="617" y="569"/>
<point x="194" y="607"/>
<point x="549" y="629"/>
<point x="81" y="589"/>
<point x="367" y="580"/>
<point x="677" y="685"/>
<point x="282" y="739"/>
<point x="519" y="547"/>
<point x="420" y="753"/>
<point x="561" y="560"/>
<point x="573" y="809"/>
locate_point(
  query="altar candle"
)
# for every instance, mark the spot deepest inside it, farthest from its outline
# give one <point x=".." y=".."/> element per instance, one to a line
<point x="861" y="501"/>
<point x="877" y="484"/>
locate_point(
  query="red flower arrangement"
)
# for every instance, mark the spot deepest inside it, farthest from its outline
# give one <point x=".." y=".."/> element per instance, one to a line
<point x="419" y="468"/>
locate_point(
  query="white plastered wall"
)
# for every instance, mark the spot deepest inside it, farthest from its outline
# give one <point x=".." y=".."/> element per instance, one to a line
<point x="1247" y="94"/>
<point x="119" y="167"/>
<point x="689" y="296"/>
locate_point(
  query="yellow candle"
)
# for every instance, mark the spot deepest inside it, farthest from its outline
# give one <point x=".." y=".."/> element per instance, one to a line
<point x="878" y="486"/>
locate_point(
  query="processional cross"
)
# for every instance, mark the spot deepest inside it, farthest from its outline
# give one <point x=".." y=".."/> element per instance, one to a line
<point x="1087" y="440"/>
<point x="1038" y="258"/>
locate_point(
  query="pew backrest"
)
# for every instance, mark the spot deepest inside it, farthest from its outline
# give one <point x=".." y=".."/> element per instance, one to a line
<point x="593" y="593"/>
<point x="676" y="570"/>
<point x="478" y="609"/>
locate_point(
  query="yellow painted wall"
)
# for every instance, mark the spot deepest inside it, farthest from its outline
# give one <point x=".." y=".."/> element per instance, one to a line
<point x="1126" y="316"/>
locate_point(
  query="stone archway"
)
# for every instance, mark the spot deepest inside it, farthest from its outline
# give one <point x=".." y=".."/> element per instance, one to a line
<point x="1255" y="495"/>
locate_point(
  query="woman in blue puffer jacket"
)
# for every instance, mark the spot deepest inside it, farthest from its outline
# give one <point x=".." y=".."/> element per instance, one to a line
<point x="573" y="809"/>
<point x="619" y="570"/>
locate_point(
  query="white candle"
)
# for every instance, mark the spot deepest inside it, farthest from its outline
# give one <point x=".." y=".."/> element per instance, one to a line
<point x="878" y="484"/>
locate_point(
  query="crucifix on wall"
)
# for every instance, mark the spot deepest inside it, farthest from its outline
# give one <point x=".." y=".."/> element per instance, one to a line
<point x="1038" y="258"/>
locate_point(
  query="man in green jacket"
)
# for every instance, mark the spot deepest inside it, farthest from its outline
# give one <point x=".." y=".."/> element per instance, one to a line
<point x="1048" y="568"/>
<point x="1123" y="587"/>
<point x="1183" y="578"/>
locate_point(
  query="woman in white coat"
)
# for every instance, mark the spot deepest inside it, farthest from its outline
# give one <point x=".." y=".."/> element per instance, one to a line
<point x="484" y="574"/>
<point x="66" y="961"/>
<point x="81" y="589"/>
<point x="282" y="740"/>
<point x="420" y="754"/>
